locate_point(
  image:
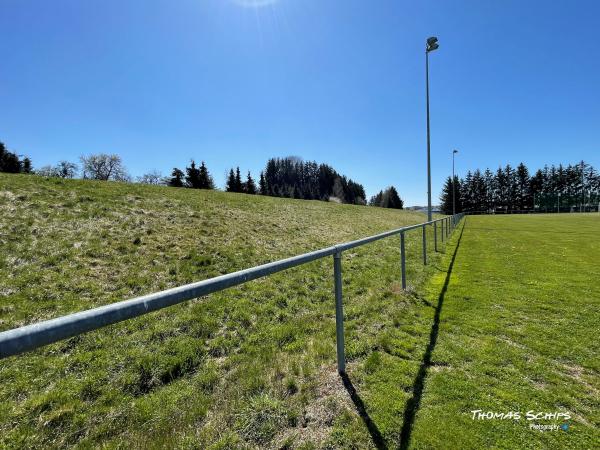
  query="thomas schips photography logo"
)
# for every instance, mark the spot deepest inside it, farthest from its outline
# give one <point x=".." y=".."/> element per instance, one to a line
<point x="538" y="420"/>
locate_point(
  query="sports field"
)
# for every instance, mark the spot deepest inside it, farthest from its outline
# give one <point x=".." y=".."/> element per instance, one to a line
<point x="516" y="330"/>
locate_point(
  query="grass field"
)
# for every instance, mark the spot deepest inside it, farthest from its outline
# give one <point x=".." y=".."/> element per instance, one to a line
<point x="517" y="330"/>
<point x="250" y="367"/>
<point x="505" y="320"/>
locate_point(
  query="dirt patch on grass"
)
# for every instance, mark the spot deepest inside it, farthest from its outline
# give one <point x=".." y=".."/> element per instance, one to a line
<point x="317" y="420"/>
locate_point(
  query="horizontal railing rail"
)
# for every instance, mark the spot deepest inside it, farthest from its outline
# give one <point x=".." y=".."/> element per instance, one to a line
<point x="31" y="337"/>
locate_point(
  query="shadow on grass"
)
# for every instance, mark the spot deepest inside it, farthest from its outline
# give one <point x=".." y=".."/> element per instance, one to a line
<point x="360" y="407"/>
<point x="412" y="406"/>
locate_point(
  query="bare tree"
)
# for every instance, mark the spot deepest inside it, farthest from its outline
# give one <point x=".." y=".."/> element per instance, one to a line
<point x="104" y="167"/>
<point x="64" y="169"/>
<point x="46" y="171"/>
<point x="155" y="178"/>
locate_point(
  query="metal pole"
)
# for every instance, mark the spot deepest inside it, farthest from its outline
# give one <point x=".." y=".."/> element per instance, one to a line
<point x="425" y="244"/>
<point x="582" y="187"/>
<point x="403" y="260"/>
<point x="435" y="236"/>
<point x="339" y="312"/>
<point x="453" y="185"/>
<point x="428" y="139"/>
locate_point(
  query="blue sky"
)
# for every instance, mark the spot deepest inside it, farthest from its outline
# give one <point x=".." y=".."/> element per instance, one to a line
<point x="338" y="81"/>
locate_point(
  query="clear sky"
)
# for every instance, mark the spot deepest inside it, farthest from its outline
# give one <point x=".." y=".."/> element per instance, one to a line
<point x="234" y="82"/>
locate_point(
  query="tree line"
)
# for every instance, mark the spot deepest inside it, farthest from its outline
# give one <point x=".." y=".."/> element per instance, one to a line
<point x="289" y="177"/>
<point x="510" y="189"/>
<point x="10" y="162"/>
<point x="292" y="177"/>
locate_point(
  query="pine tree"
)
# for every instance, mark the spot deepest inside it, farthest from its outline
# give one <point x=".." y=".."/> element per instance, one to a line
<point x="393" y="200"/>
<point x="387" y="198"/>
<point x="230" y="186"/>
<point x="466" y="193"/>
<point x="377" y="199"/>
<point x="26" y="166"/>
<point x="9" y="161"/>
<point x="489" y="183"/>
<point x="479" y="191"/>
<point x="446" y="197"/>
<point x="263" y="189"/>
<point x="523" y="197"/>
<point x="176" y="178"/>
<point x="536" y="187"/>
<point x="205" y="180"/>
<point x="250" y="186"/>
<point x="193" y="176"/>
<point x="238" y="181"/>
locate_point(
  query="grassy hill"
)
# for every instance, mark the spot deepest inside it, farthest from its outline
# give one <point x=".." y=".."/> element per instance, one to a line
<point x="250" y="367"/>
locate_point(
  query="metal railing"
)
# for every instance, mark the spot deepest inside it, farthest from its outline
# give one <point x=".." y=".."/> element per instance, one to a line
<point x="30" y="337"/>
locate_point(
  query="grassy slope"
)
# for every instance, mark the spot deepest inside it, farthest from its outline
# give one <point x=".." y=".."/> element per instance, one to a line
<point x="250" y="367"/>
<point x="518" y="331"/>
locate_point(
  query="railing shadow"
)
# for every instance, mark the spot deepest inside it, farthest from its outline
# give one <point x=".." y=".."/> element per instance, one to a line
<point x="413" y="404"/>
<point x="378" y="440"/>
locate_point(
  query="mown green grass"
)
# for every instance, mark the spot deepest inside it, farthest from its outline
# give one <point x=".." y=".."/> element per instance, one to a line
<point x="517" y="331"/>
<point x="250" y="367"/>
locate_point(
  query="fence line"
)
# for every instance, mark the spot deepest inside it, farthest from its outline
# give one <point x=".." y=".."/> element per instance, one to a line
<point x="30" y="337"/>
<point x="555" y="210"/>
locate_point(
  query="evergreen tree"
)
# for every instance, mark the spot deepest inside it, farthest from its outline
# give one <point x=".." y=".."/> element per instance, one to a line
<point x="250" y="186"/>
<point x="489" y="183"/>
<point x="392" y="199"/>
<point x="510" y="189"/>
<point x="479" y="192"/>
<point x="536" y="187"/>
<point x="446" y="197"/>
<point x="230" y="185"/>
<point x="467" y="196"/>
<point x="523" y="196"/>
<point x="388" y="198"/>
<point x="262" y="184"/>
<point x="377" y="199"/>
<point x="193" y="176"/>
<point x="9" y="161"/>
<point x="176" y="178"/>
<point x="291" y="176"/>
<point x="26" y="166"/>
<point x="205" y="180"/>
<point x="238" y="181"/>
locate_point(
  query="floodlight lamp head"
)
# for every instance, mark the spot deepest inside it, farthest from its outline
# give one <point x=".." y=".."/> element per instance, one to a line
<point x="432" y="44"/>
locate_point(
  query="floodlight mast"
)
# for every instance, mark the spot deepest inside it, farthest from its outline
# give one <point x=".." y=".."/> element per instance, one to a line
<point x="432" y="44"/>
<point x="454" y="152"/>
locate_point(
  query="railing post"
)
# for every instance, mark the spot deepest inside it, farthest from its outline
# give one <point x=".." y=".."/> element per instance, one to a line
<point x="442" y="230"/>
<point x="339" y="312"/>
<point x="435" y="236"/>
<point x="403" y="259"/>
<point x="424" y="244"/>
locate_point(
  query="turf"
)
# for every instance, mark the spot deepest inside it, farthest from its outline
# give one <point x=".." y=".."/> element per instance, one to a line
<point x="250" y="367"/>
<point x="516" y="330"/>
